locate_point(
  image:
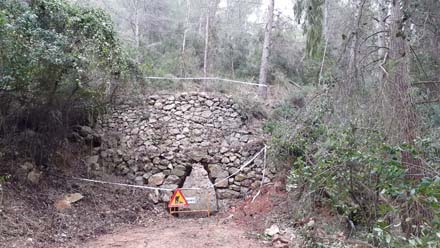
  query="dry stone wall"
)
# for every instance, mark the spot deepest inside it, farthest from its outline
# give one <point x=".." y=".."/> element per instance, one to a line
<point x="157" y="140"/>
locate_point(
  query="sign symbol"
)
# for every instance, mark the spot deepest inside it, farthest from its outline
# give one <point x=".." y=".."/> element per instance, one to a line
<point x="178" y="200"/>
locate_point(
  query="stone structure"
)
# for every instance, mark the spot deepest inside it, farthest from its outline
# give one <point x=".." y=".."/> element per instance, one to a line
<point x="199" y="178"/>
<point x="156" y="140"/>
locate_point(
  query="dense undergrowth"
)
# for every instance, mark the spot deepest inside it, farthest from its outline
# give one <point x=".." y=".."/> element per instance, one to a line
<point x="358" y="174"/>
<point x="58" y="65"/>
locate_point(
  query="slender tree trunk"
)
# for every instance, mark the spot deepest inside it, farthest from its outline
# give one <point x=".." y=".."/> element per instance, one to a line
<point x="232" y="65"/>
<point x="135" y="26"/>
<point x="353" y="69"/>
<point x="326" y="18"/>
<point x="200" y="27"/>
<point x="136" y="31"/>
<point x="383" y="8"/>
<point x="326" y="35"/>
<point x="211" y="10"/>
<point x="381" y="41"/>
<point x="205" y="57"/>
<point x="183" y="66"/>
<point x="182" y="55"/>
<point x="264" y="67"/>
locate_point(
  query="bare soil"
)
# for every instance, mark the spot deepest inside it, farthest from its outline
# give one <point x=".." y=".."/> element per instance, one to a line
<point x="175" y="232"/>
<point x="29" y="218"/>
<point x="240" y="226"/>
<point x="112" y="216"/>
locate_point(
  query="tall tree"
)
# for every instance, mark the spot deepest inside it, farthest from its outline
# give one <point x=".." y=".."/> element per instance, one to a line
<point x="353" y="70"/>
<point x="264" y="67"/>
<point x="404" y="121"/>
<point x="185" y="31"/>
<point x="205" y="55"/>
<point x="399" y="86"/>
<point x="382" y="31"/>
<point x="211" y="10"/>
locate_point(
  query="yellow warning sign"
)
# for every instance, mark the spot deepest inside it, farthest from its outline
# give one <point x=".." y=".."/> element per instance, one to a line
<point x="178" y="200"/>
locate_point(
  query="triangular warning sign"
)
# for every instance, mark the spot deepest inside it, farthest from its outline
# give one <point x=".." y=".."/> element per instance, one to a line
<point x="178" y="200"/>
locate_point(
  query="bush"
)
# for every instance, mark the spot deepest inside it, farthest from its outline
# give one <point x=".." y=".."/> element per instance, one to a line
<point x="56" y="62"/>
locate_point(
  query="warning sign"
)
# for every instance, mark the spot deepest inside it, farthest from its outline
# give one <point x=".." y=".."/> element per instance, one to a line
<point x="178" y="200"/>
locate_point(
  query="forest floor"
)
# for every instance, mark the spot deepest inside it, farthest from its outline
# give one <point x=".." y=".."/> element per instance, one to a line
<point x="185" y="233"/>
<point x="112" y="216"/>
<point x="240" y="226"/>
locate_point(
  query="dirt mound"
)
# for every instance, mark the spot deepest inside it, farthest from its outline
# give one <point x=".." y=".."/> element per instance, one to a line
<point x="269" y="207"/>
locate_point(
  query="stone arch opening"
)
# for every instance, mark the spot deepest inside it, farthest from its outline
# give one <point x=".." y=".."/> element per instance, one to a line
<point x="187" y="173"/>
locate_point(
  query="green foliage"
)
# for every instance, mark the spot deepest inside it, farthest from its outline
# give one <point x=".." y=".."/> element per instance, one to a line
<point x="3" y="179"/>
<point x="50" y="47"/>
<point x="57" y="61"/>
<point x="312" y="12"/>
<point x="361" y="177"/>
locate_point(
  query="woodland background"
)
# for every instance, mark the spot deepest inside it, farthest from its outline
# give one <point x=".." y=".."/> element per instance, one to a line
<point x="352" y="107"/>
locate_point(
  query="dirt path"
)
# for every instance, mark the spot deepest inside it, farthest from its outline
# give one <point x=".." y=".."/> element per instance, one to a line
<point x="121" y="217"/>
<point x="183" y="233"/>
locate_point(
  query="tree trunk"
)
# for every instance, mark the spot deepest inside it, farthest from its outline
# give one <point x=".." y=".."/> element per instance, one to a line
<point x="183" y="67"/>
<point x="264" y="67"/>
<point x="403" y="115"/>
<point x="232" y="66"/>
<point x="326" y="18"/>
<point x="135" y="26"/>
<point x="381" y="40"/>
<point x="136" y="31"/>
<point x="205" y="57"/>
<point x="182" y="55"/>
<point x="399" y="81"/>
<point x="353" y="70"/>
<point x="211" y="10"/>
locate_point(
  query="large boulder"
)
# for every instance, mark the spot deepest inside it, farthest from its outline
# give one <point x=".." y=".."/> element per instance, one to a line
<point x="200" y="198"/>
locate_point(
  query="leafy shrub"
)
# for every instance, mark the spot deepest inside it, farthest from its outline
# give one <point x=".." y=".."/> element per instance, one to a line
<point x="56" y="63"/>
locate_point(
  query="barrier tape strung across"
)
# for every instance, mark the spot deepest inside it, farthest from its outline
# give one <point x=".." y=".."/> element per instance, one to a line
<point x="163" y="189"/>
<point x="243" y="166"/>
<point x="208" y="78"/>
<point x="264" y="174"/>
<point x="128" y="185"/>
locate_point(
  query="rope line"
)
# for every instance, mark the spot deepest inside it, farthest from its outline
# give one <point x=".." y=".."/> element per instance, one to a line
<point x="164" y="189"/>
<point x="208" y="78"/>
<point x="242" y="167"/>
<point x="264" y="174"/>
<point x="128" y="185"/>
